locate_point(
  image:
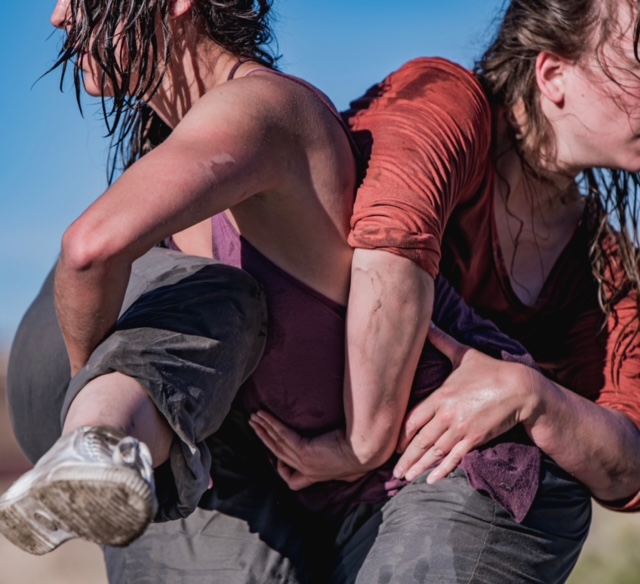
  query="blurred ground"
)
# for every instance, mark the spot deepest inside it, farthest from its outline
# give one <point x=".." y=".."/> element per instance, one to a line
<point x="610" y="556"/>
<point x="75" y="562"/>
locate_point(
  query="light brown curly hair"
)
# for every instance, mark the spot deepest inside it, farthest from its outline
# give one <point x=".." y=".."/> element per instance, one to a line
<point x="568" y="28"/>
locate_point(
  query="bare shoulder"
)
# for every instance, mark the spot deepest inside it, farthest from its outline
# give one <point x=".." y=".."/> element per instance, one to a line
<point x="264" y="104"/>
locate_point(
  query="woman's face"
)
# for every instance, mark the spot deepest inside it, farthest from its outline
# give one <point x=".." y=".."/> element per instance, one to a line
<point x="92" y="74"/>
<point x="602" y="104"/>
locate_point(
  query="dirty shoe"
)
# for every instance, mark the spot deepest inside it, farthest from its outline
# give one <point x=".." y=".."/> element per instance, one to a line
<point x="95" y="483"/>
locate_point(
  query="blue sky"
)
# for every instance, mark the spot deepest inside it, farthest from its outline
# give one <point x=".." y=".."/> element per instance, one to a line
<point x="52" y="161"/>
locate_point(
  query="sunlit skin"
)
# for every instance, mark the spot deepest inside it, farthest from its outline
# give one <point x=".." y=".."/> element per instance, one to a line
<point x="594" y="104"/>
<point x="306" y="171"/>
<point x="595" y="120"/>
<point x="92" y="76"/>
<point x="483" y="397"/>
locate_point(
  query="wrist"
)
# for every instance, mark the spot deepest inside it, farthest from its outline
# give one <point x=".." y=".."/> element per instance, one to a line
<point x="536" y="389"/>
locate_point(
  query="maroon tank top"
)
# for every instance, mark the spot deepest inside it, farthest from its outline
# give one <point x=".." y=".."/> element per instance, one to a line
<point x="300" y="380"/>
<point x="300" y="376"/>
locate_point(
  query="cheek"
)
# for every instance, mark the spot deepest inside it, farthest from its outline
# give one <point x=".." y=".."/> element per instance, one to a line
<point x="93" y="76"/>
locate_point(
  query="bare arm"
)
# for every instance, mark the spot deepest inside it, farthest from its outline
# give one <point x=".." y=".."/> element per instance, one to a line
<point x="484" y="397"/>
<point x="599" y="446"/>
<point x="388" y="316"/>
<point x="207" y="165"/>
<point x="427" y="153"/>
<point x="389" y="312"/>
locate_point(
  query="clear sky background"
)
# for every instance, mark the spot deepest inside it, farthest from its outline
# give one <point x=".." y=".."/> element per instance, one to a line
<point x="52" y="161"/>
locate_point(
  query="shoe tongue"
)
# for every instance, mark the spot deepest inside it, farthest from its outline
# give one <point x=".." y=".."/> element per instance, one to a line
<point x="99" y="442"/>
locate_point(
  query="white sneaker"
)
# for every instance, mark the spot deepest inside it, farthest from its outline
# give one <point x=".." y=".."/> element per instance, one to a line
<point x="94" y="483"/>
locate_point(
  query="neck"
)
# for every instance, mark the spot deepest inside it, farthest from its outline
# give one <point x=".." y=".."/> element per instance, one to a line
<point x="542" y="193"/>
<point x="195" y="68"/>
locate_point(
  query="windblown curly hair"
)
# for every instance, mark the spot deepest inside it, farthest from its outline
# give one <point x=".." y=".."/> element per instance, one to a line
<point x="507" y="70"/>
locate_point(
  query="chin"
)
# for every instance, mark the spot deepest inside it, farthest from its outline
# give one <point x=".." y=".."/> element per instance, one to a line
<point x="631" y="164"/>
<point x="94" y="88"/>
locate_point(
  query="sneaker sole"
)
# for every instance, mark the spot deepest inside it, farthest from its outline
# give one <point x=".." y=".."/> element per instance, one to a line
<point x="105" y="506"/>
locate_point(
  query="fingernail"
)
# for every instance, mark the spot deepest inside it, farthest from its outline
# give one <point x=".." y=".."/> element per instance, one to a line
<point x="410" y="475"/>
<point x="398" y="471"/>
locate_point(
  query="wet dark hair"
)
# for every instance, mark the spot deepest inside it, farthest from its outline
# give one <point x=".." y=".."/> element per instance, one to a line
<point x="125" y="31"/>
<point x="568" y="28"/>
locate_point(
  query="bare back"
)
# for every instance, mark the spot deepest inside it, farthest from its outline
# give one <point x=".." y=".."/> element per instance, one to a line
<point x="302" y="222"/>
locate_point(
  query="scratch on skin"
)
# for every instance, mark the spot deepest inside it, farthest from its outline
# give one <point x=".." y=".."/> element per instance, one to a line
<point x="373" y="324"/>
<point x="378" y="305"/>
<point x="224" y="158"/>
<point x="216" y="161"/>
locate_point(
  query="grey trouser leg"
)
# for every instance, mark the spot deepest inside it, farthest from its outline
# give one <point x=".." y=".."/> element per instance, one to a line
<point x="38" y="376"/>
<point x="449" y="533"/>
<point x="248" y="530"/>
<point x="191" y="331"/>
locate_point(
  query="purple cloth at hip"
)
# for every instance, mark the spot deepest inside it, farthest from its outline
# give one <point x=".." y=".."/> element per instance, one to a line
<point x="300" y="380"/>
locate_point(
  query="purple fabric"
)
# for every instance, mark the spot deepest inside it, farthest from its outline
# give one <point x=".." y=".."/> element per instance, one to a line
<point x="299" y="380"/>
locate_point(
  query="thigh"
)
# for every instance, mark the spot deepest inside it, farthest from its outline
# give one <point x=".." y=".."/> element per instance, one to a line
<point x="191" y="331"/>
<point x="187" y="323"/>
<point x="449" y="533"/>
<point x="38" y="376"/>
<point x="207" y="547"/>
<point x="244" y="533"/>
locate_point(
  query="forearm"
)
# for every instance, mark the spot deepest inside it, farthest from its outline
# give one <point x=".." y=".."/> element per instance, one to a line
<point x="88" y="301"/>
<point x="597" y="445"/>
<point x="388" y="317"/>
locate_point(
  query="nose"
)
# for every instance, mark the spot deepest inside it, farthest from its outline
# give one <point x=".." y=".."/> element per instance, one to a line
<point x="60" y="14"/>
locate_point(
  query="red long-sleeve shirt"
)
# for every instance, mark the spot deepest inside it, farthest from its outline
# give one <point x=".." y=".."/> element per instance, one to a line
<point x="426" y="132"/>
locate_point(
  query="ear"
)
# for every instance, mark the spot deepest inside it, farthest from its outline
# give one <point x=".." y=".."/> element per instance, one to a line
<point x="551" y="73"/>
<point x="180" y="7"/>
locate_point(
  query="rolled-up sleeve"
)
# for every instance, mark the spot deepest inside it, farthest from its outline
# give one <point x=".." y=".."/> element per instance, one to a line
<point x="621" y="391"/>
<point x="424" y="134"/>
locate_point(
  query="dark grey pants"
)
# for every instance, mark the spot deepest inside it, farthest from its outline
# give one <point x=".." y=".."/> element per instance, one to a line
<point x="449" y="533"/>
<point x="191" y="331"/>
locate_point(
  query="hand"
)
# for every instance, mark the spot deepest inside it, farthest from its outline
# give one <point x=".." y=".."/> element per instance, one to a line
<point x="481" y="399"/>
<point x="305" y="461"/>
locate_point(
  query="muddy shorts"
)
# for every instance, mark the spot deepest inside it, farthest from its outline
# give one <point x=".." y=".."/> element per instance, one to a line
<point x="191" y="331"/>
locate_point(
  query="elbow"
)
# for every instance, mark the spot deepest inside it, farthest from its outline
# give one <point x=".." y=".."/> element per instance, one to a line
<point x="85" y="249"/>
<point x="373" y="449"/>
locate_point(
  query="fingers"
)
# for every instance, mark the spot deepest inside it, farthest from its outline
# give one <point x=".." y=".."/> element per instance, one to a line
<point x="433" y="446"/>
<point x="283" y="442"/>
<point x="295" y="481"/>
<point x="449" y="463"/>
<point x="427" y="447"/>
<point x="266" y="436"/>
<point x="417" y="419"/>
<point x="446" y="344"/>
